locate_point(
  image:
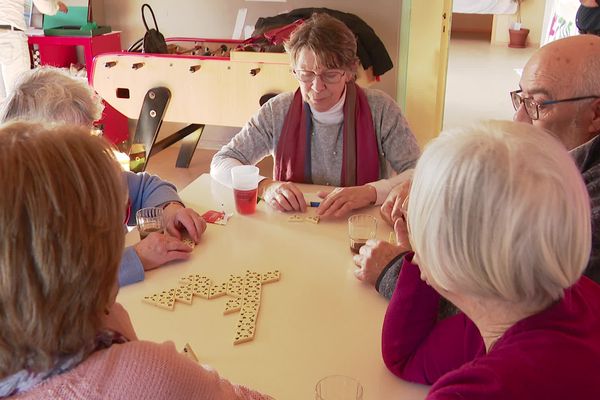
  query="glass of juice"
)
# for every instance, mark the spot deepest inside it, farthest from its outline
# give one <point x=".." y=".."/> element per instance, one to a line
<point x="245" y="188"/>
<point x="149" y="220"/>
<point x="361" y="227"/>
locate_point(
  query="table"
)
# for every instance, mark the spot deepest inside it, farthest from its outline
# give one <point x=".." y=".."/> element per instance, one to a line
<point x="318" y="320"/>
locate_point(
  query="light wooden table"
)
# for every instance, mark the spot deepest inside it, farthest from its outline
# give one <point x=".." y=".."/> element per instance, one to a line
<point x="318" y="320"/>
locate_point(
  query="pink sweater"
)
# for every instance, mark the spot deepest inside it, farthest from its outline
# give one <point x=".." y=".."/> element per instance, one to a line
<point x="138" y="370"/>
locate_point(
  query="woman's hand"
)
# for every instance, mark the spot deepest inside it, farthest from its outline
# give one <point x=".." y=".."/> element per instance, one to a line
<point x="178" y="218"/>
<point x="158" y="249"/>
<point x="282" y="196"/>
<point x="391" y="209"/>
<point x="341" y="201"/>
<point x="373" y="257"/>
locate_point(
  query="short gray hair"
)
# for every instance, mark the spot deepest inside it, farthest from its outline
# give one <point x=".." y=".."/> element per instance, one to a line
<point x="330" y="39"/>
<point x="50" y="94"/>
<point x="498" y="210"/>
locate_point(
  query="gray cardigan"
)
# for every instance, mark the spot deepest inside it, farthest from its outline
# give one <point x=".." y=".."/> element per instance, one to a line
<point x="259" y="137"/>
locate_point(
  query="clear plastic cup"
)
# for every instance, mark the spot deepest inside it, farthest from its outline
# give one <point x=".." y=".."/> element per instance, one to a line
<point x="245" y="188"/>
<point x="361" y="227"/>
<point x="338" y="387"/>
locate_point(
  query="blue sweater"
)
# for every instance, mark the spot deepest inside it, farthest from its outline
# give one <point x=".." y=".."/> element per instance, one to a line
<point x="145" y="190"/>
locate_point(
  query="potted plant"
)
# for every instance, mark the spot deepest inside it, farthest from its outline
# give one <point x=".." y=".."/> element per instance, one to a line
<point x="516" y="33"/>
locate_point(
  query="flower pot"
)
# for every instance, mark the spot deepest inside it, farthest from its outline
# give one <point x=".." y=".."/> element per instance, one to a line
<point x="518" y="38"/>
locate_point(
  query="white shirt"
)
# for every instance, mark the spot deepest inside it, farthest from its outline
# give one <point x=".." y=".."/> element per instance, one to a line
<point x="11" y="11"/>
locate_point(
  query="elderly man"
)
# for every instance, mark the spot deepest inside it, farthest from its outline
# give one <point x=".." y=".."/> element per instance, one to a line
<point x="560" y="92"/>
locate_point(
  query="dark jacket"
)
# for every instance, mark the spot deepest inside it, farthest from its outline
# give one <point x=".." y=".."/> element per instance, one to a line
<point x="370" y="49"/>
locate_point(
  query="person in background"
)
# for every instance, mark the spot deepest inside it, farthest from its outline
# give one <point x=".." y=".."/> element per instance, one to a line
<point x="559" y="91"/>
<point x="14" y="51"/>
<point x="587" y="18"/>
<point x="328" y="132"/>
<point x="62" y="335"/>
<point x="498" y="217"/>
<point x="51" y="95"/>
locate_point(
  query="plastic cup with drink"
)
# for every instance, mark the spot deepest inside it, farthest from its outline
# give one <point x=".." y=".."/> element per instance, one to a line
<point x="245" y="188"/>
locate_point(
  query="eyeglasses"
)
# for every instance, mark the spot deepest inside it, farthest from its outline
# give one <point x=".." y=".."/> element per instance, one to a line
<point x="532" y="107"/>
<point x="330" y="76"/>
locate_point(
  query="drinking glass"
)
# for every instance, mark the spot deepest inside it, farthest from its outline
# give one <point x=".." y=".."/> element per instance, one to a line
<point x="361" y="227"/>
<point x="245" y="188"/>
<point x="149" y="220"/>
<point x="338" y="387"/>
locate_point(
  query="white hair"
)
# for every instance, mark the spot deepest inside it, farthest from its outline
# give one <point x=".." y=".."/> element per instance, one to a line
<point x="50" y="94"/>
<point x="498" y="210"/>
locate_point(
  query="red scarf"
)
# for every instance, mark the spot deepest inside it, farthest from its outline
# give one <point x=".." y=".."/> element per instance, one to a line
<point x="360" y="159"/>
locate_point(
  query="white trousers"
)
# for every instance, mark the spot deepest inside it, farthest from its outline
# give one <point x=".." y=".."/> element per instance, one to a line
<point x="14" y="58"/>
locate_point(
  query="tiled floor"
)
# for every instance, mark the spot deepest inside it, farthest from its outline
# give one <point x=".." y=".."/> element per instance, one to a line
<point x="480" y="75"/>
<point x="163" y="165"/>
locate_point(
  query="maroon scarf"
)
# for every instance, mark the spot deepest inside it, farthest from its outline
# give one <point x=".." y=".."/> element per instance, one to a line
<point x="360" y="159"/>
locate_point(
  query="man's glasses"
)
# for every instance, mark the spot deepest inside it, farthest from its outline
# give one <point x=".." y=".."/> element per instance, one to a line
<point x="330" y="76"/>
<point x="532" y="107"/>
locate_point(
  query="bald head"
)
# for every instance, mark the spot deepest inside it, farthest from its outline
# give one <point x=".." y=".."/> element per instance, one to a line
<point x="565" y="69"/>
<point x="568" y="65"/>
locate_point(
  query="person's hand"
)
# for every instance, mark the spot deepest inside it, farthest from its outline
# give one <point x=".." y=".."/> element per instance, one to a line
<point x="391" y="209"/>
<point x="158" y="249"/>
<point x="373" y="257"/>
<point x="282" y="196"/>
<point x="178" y="218"/>
<point x="62" y="7"/>
<point x="341" y="201"/>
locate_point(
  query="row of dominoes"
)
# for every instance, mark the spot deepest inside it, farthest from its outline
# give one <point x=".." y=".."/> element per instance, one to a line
<point x="244" y="290"/>
<point x="201" y="286"/>
<point x="250" y="305"/>
<point x="300" y="218"/>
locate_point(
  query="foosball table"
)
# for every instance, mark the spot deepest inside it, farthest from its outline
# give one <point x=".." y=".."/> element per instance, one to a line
<point x="201" y="82"/>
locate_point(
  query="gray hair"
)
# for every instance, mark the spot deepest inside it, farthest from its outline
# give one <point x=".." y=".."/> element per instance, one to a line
<point x="330" y="39"/>
<point x="498" y="210"/>
<point x="49" y="94"/>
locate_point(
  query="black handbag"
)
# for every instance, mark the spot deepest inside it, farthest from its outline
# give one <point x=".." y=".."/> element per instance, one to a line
<point x="153" y="41"/>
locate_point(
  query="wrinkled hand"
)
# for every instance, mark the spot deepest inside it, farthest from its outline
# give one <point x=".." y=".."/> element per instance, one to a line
<point x="391" y="209"/>
<point x="178" y="218"/>
<point x="158" y="249"/>
<point x="283" y="196"/>
<point x="402" y="238"/>
<point x="62" y="7"/>
<point x="341" y="201"/>
<point x="373" y="257"/>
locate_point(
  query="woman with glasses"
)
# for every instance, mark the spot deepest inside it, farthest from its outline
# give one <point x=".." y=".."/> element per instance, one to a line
<point x="329" y="132"/>
<point x="498" y="217"/>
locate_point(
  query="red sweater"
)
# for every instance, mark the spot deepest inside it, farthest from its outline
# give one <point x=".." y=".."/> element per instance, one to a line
<point x="554" y="354"/>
